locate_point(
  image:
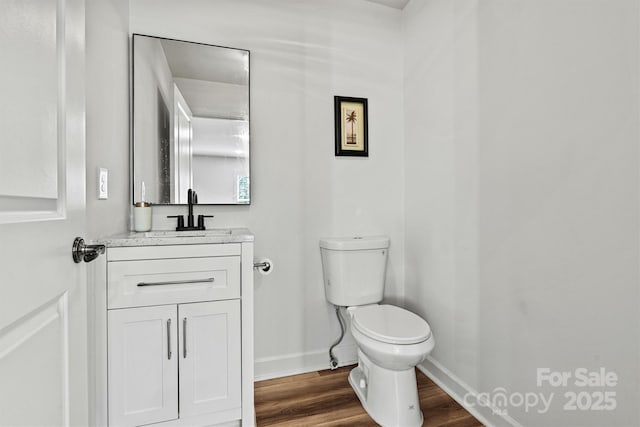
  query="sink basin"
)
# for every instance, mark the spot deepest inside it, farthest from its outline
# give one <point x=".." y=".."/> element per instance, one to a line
<point x="191" y="233"/>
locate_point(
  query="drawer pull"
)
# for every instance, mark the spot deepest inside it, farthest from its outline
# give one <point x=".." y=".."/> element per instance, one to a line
<point x="178" y="282"/>
<point x="184" y="338"/>
<point x="169" y="339"/>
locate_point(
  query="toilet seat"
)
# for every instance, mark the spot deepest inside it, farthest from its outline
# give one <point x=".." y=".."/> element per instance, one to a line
<point x="391" y="324"/>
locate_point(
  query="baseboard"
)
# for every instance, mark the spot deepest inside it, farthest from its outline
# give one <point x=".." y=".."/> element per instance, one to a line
<point x="458" y="390"/>
<point x="300" y="363"/>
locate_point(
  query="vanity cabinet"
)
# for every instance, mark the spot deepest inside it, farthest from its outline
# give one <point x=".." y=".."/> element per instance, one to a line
<point x="152" y="350"/>
<point x="175" y="344"/>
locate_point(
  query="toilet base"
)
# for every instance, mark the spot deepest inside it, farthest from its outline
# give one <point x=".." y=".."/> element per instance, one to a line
<point x="389" y="397"/>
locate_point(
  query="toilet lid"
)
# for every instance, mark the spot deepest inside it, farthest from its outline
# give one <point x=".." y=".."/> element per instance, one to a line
<point x="391" y="324"/>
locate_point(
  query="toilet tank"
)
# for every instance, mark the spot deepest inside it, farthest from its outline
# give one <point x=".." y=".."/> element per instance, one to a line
<point x="354" y="269"/>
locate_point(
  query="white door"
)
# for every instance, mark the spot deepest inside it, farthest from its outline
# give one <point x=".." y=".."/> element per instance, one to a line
<point x="183" y="149"/>
<point x="210" y="369"/>
<point x="43" y="352"/>
<point x="143" y="365"/>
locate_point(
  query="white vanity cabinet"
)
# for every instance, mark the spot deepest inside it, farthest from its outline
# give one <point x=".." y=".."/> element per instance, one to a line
<point x="174" y="332"/>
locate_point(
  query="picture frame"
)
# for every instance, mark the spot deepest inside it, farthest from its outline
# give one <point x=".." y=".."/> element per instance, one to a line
<point x="351" y="126"/>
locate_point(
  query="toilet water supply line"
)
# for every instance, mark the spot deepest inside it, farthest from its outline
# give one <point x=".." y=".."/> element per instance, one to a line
<point x="333" y="360"/>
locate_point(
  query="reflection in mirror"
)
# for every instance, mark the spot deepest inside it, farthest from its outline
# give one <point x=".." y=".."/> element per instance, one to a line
<point x="190" y="121"/>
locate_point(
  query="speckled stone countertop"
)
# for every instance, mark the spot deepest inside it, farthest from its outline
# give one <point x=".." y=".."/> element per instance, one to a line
<point x="164" y="238"/>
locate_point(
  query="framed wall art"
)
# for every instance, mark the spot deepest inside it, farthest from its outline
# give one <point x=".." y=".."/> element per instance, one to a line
<point x="351" y="123"/>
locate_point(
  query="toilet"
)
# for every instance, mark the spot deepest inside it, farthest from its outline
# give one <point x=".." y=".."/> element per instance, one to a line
<point x="391" y="340"/>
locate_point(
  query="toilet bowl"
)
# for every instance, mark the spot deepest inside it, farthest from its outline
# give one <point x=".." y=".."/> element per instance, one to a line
<point x="391" y="341"/>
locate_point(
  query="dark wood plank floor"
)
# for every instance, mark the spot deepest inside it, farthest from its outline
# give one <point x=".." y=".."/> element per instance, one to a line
<point x="325" y="398"/>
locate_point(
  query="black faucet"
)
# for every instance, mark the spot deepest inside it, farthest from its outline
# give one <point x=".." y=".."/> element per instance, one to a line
<point x="192" y="199"/>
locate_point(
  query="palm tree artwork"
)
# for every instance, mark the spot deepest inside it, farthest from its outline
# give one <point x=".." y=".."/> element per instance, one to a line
<point x="350" y="126"/>
<point x="351" y="118"/>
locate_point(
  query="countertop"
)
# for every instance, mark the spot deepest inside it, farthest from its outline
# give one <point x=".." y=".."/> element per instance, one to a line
<point x="165" y="237"/>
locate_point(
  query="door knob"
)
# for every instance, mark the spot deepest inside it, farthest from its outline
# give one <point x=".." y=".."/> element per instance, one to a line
<point x="81" y="251"/>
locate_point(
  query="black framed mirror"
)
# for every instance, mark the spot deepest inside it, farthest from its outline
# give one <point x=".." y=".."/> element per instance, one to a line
<point x="190" y="122"/>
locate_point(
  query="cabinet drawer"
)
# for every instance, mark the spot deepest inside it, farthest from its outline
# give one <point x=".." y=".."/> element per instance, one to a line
<point x="171" y="281"/>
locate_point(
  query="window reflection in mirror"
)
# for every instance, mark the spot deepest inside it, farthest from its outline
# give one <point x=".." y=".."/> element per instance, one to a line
<point x="190" y="121"/>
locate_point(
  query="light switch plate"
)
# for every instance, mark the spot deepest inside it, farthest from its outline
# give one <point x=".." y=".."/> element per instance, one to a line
<point x="103" y="184"/>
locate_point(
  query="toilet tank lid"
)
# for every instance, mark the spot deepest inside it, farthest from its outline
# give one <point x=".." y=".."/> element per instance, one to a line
<point x="355" y="243"/>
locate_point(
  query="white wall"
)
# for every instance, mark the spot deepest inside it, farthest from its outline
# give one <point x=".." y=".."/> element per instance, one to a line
<point x="107" y="120"/>
<point x="522" y="162"/>
<point x="302" y="54"/>
<point x="440" y="166"/>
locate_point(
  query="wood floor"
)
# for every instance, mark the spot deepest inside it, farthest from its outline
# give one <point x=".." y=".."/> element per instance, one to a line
<point x="325" y="398"/>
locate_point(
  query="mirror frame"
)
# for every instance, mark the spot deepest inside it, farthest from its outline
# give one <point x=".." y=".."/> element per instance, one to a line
<point x="132" y="142"/>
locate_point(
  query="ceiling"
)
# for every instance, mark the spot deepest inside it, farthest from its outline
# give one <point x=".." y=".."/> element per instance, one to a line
<point x="396" y="4"/>
<point x="205" y="62"/>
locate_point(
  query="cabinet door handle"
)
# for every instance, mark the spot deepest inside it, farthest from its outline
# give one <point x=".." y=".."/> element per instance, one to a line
<point x="169" y="339"/>
<point x="184" y="337"/>
<point x="178" y="282"/>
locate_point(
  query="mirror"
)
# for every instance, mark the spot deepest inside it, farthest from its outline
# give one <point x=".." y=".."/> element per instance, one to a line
<point x="190" y="122"/>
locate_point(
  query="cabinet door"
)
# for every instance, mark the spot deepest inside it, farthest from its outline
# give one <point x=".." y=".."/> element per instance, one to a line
<point x="143" y="365"/>
<point x="209" y="357"/>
